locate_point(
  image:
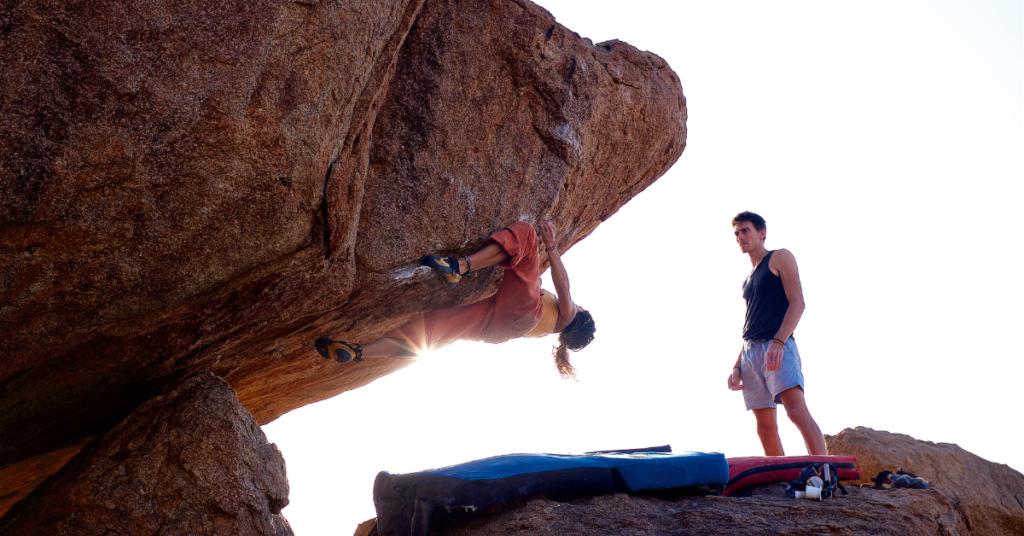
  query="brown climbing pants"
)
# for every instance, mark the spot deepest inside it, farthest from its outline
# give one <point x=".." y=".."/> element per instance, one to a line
<point x="512" y="312"/>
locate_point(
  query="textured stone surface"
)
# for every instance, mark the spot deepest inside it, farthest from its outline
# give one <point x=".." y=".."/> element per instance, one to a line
<point x="767" y="511"/>
<point x="366" y="528"/>
<point x="22" y="477"/>
<point x="198" y="186"/>
<point x="992" y="493"/>
<point x="190" y="461"/>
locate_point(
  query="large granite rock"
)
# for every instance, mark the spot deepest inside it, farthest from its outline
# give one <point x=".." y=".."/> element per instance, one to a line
<point x="992" y="493"/>
<point x="190" y="461"/>
<point x="196" y="186"/>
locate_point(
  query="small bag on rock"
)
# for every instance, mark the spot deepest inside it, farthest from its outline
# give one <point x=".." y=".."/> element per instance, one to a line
<point x="815" y="473"/>
<point x="899" y="479"/>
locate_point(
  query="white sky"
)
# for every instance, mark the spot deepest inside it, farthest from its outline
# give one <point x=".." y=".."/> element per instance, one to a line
<point x="883" y="141"/>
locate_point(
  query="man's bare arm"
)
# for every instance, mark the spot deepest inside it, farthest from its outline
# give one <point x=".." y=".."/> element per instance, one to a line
<point x="785" y="266"/>
<point x="735" y="382"/>
<point x="559" y="277"/>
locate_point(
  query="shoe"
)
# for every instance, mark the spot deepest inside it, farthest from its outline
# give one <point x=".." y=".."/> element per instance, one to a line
<point x="913" y="481"/>
<point x="448" y="267"/>
<point x="340" y="351"/>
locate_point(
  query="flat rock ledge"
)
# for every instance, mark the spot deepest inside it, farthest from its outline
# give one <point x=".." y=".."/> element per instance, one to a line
<point x="968" y="496"/>
<point x="991" y="493"/>
<point x="767" y="511"/>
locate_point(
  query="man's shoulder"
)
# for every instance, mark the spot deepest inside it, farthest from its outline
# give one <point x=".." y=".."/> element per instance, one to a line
<point x="781" y="258"/>
<point x="782" y="254"/>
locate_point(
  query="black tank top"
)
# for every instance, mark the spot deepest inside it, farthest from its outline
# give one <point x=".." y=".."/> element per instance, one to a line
<point x="766" y="302"/>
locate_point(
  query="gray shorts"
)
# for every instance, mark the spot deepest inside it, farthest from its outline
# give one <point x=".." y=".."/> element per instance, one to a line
<point x="761" y="387"/>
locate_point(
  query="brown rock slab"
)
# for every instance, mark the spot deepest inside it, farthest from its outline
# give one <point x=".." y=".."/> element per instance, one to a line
<point x="190" y="461"/>
<point x="202" y="186"/>
<point x="22" y="477"/>
<point x="767" y="512"/>
<point x="992" y="493"/>
<point x="366" y="528"/>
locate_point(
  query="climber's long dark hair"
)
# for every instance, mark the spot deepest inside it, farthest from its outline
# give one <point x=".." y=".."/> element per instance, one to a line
<point x="575" y="337"/>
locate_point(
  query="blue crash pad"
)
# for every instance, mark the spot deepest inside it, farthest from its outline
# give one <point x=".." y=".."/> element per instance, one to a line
<point x="641" y="471"/>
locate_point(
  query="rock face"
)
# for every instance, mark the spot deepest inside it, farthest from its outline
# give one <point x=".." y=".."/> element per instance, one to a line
<point x="190" y="461"/>
<point x="993" y="494"/>
<point x="767" y="512"/>
<point x="196" y="186"/>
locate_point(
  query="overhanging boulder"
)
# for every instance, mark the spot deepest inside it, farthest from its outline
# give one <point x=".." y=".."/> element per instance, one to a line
<point x="211" y="186"/>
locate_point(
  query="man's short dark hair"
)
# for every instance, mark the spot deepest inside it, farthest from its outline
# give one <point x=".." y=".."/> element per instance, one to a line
<point x="757" y="221"/>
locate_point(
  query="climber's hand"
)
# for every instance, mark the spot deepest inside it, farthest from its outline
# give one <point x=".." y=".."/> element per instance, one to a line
<point x="547" y="233"/>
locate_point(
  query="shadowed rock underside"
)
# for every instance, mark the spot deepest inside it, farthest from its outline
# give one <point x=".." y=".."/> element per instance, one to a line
<point x="190" y="461"/>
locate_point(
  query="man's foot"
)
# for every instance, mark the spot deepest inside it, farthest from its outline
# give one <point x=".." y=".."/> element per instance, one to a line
<point x="340" y="351"/>
<point x="448" y="267"/>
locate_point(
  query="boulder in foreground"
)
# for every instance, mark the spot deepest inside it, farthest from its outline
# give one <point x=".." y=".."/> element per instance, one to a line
<point x="190" y="461"/>
<point x="992" y="493"/>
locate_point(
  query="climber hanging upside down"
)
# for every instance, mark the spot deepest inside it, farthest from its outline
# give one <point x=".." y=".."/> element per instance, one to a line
<point x="519" y="309"/>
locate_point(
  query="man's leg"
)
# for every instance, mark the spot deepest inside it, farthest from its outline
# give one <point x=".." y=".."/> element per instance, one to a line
<point x="768" y="431"/>
<point x="488" y="255"/>
<point x="516" y="243"/>
<point x="758" y="398"/>
<point x="517" y="304"/>
<point x="427" y="331"/>
<point x="515" y="249"/>
<point x="796" y="409"/>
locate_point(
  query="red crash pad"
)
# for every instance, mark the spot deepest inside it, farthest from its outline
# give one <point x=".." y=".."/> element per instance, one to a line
<point x="752" y="470"/>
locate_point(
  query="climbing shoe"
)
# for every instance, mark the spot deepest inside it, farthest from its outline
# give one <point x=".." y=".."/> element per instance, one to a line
<point x="340" y="351"/>
<point x="448" y="267"/>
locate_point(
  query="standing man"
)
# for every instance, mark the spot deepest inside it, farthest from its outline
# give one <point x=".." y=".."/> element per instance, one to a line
<point x="768" y="367"/>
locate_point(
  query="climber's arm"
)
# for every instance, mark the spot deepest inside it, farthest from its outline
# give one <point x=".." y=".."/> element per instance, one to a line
<point x="566" y="307"/>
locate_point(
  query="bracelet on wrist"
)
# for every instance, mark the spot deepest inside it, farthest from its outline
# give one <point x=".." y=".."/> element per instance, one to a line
<point x="781" y="343"/>
<point x="551" y="248"/>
